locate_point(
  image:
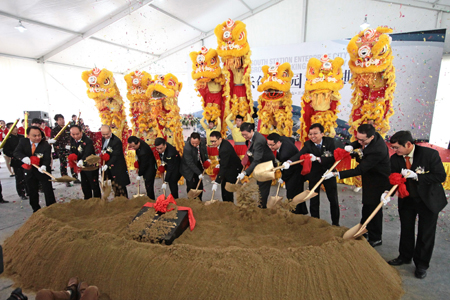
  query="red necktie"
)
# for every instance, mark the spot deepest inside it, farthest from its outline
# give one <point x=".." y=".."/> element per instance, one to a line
<point x="33" y="148"/>
<point x="408" y="163"/>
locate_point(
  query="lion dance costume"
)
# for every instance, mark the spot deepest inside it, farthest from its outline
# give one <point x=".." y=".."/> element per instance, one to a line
<point x="235" y="52"/>
<point x="275" y="103"/>
<point x="321" y="98"/>
<point x="373" y="80"/>
<point x="103" y="89"/>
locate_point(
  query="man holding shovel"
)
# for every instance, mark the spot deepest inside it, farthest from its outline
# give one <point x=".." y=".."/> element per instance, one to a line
<point x="171" y="160"/>
<point x="230" y="164"/>
<point x="147" y="163"/>
<point x="374" y="168"/>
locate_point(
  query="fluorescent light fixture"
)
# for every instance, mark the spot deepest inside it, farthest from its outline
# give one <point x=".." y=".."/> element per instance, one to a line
<point x="20" y="27"/>
<point x="364" y="25"/>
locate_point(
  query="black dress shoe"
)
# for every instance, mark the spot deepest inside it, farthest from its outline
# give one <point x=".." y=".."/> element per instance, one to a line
<point x="399" y="261"/>
<point x="23" y="197"/>
<point x="420" y="273"/>
<point x="12" y="175"/>
<point x="3" y="201"/>
<point x="376" y="243"/>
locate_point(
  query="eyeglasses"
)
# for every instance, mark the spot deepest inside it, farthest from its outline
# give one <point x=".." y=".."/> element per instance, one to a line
<point x="214" y="141"/>
<point x="270" y="145"/>
<point x="395" y="148"/>
<point x="361" y="140"/>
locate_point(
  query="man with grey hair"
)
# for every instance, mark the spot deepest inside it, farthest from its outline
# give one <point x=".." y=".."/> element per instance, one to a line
<point x="116" y="167"/>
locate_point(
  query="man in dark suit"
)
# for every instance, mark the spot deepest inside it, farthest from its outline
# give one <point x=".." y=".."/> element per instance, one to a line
<point x="8" y="149"/>
<point x="147" y="163"/>
<point x="194" y="155"/>
<point x="374" y="168"/>
<point x="321" y="151"/>
<point x="116" y="167"/>
<point x="230" y="164"/>
<point x="425" y="173"/>
<point x="35" y="145"/>
<point x="257" y="152"/>
<point x="83" y="147"/>
<point x="171" y="160"/>
<point x="294" y="180"/>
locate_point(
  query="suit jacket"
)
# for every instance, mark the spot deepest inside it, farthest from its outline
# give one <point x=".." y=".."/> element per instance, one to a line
<point x="230" y="163"/>
<point x="286" y="151"/>
<point x="429" y="185"/>
<point x="117" y="165"/>
<point x="147" y="161"/>
<point x="23" y="149"/>
<point x="172" y="161"/>
<point x="82" y="149"/>
<point x="259" y="151"/>
<point x="374" y="168"/>
<point x="63" y="140"/>
<point x="189" y="161"/>
<point x="10" y="146"/>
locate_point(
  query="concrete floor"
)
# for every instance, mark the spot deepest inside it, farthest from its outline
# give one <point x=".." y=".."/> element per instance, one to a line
<point x="435" y="286"/>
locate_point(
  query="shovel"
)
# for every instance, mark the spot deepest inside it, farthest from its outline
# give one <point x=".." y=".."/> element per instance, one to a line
<point x="139" y="190"/>
<point x="105" y="187"/>
<point x="266" y="172"/>
<point x="230" y="187"/>
<point x="64" y="178"/>
<point x="358" y="230"/>
<point x="306" y="195"/>
<point x="91" y="162"/>
<point x="212" y="199"/>
<point x="273" y="200"/>
<point x="194" y="193"/>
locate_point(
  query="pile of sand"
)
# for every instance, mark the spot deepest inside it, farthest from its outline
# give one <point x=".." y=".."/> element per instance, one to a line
<point x="231" y="254"/>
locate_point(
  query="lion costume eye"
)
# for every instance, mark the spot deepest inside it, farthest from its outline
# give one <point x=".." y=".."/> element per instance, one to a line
<point x="364" y="51"/>
<point x="135" y="81"/>
<point x="285" y="74"/>
<point x="226" y="35"/>
<point x="213" y="61"/>
<point x="106" y="81"/>
<point x="241" y="36"/>
<point x="384" y="50"/>
<point x="171" y="83"/>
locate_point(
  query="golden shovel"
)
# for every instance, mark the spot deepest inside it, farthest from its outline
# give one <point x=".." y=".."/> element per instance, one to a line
<point x="306" y="195"/>
<point x="194" y="193"/>
<point x="212" y="199"/>
<point x="64" y="178"/>
<point x="273" y="200"/>
<point x="266" y="172"/>
<point x="139" y="190"/>
<point x="105" y="187"/>
<point x="230" y="187"/>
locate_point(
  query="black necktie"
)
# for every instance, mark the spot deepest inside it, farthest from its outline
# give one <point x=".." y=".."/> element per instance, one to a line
<point x="318" y="147"/>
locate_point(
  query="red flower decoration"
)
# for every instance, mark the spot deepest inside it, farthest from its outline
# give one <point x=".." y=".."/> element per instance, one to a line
<point x="105" y="157"/>
<point x="136" y="165"/>
<point x="26" y="167"/>
<point x="73" y="157"/>
<point x="162" y="204"/>
<point x="216" y="171"/>
<point x="161" y="169"/>
<point x="342" y="155"/>
<point x="307" y="163"/>
<point x="398" y="179"/>
<point x="35" y="160"/>
<point x="206" y="164"/>
<point x="73" y="162"/>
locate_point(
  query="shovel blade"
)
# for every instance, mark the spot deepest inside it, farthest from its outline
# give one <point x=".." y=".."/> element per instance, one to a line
<point x="303" y="196"/>
<point x="350" y="234"/>
<point x="264" y="172"/>
<point x="360" y="232"/>
<point x="64" y="178"/>
<point x="211" y="202"/>
<point x="193" y="193"/>
<point x="273" y="201"/>
<point x="138" y="195"/>
<point x="231" y="187"/>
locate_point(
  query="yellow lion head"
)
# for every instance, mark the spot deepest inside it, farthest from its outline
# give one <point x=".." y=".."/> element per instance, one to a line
<point x="137" y="84"/>
<point x="164" y="86"/>
<point x="370" y="51"/>
<point x="324" y="74"/>
<point x="205" y="64"/>
<point x="276" y="79"/>
<point x="231" y="39"/>
<point x="100" y="83"/>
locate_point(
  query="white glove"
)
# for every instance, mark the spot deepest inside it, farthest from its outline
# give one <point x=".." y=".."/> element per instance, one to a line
<point x="348" y="148"/>
<point x="409" y="174"/>
<point x="286" y="165"/>
<point x="26" y="160"/>
<point x="67" y="147"/>
<point x="328" y="175"/>
<point x="217" y="166"/>
<point x="280" y="181"/>
<point x="384" y="198"/>
<point x="138" y="177"/>
<point x="104" y="168"/>
<point x="51" y="141"/>
<point x="241" y="176"/>
<point x="313" y="157"/>
<point x="80" y="163"/>
<point x="200" y="176"/>
<point x="42" y="169"/>
<point x="214" y="187"/>
<point x="164" y="186"/>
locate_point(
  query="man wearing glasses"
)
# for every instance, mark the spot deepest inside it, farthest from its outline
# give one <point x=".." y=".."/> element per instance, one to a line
<point x="374" y="168"/>
<point x="230" y="164"/>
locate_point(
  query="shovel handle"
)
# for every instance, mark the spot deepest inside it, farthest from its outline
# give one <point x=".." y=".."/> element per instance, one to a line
<point x="278" y="189"/>
<point x="200" y="181"/>
<point x="45" y="172"/>
<point x="321" y="179"/>
<point x="293" y="163"/>
<point x="212" y="197"/>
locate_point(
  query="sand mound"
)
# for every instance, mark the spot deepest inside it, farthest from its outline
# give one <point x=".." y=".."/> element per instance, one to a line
<point x="231" y="254"/>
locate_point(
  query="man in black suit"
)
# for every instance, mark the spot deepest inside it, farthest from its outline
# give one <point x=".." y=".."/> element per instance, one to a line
<point x="171" y="159"/>
<point x="425" y="173"/>
<point x="194" y="155"/>
<point x="83" y="147"/>
<point x="147" y="163"/>
<point x="292" y="176"/>
<point x="116" y="167"/>
<point x="374" y="168"/>
<point x="8" y="149"/>
<point x="257" y="152"/>
<point x="35" y="145"/>
<point x="230" y="164"/>
<point x="321" y="150"/>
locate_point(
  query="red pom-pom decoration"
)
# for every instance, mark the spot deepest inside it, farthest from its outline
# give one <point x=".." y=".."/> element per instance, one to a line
<point x="161" y="169"/>
<point x="216" y="171"/>
<point x="342" y="155"/>
<point x="35" y="160"/>
<point x="162" y="204"/>
<point x="136" y="165"/>
<point x="206" y="165"/>
<point x="398" y="179"/>
<point x="72" y="158"/>
<point x="105" y="157"/>
<point x="26" y="167"/>
<point x="307" y="163"/>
